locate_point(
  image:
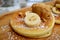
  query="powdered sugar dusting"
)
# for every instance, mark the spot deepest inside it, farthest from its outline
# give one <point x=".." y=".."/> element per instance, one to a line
<point x="54" y="36"/>
<point x="11" y="36"/>
<point x="4" y="27"/>
<point x="55" y="14"/>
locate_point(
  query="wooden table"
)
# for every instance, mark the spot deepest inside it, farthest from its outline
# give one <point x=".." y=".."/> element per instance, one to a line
<point x="7" y="33"/>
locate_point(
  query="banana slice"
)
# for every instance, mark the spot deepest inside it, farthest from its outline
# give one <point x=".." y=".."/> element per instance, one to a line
<point x="58" y="5"/>
<point x="55" y="10"/>
<point x="32" y="19"/>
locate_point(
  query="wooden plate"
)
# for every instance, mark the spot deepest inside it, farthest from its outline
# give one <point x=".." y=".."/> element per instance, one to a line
<point x="7" y="33"/>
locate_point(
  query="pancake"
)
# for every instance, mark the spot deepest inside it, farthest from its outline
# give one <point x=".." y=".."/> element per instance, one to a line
<point x="47" y="19"/>
<point x="55" y="8"/>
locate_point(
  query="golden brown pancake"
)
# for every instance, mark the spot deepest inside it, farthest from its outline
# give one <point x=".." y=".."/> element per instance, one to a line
<point x="47" y="19"/>
<point x="56" y="11"/>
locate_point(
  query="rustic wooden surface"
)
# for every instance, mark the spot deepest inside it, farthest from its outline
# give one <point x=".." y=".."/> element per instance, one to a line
<point x="7" y="33"/>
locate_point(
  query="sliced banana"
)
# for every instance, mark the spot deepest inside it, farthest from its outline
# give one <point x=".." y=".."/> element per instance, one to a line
<point x="32" y="19"/>
<point x="55" y="11"/>
<point x="58" y="5"/>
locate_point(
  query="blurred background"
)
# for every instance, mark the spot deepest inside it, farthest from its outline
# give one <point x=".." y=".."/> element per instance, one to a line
<point x="10" y="5"/>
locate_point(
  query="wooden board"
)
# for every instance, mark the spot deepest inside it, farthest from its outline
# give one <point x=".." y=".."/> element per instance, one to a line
<point x="7" y="33"/>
